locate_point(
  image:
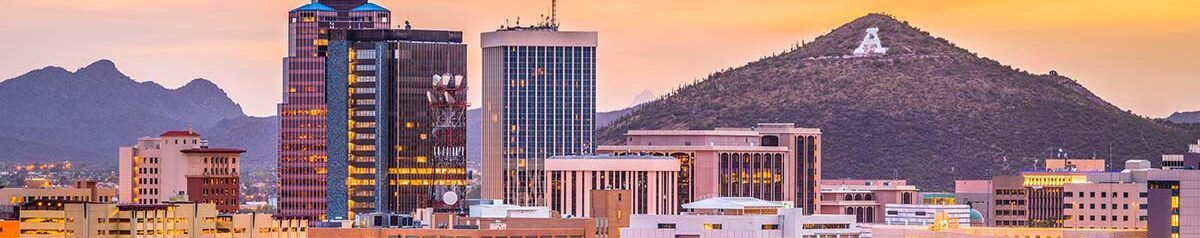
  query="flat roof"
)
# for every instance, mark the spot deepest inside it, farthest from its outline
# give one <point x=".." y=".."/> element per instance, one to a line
<point x="733" y="203"/>
<point x="692" y="148"/>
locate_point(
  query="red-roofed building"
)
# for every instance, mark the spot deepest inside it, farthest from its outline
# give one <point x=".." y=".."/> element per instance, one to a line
<point x="179" y="166"/>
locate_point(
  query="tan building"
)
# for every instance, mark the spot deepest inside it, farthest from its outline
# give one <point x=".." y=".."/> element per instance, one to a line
<point x="82" y="191"/>
<point x="465" y="227"/>
<point x="612" y="209"/>
<point x="771" y="161"/>
<point x="179" y="166"/>
<point x="64" y="219"/>
<point x="649" y="180"/>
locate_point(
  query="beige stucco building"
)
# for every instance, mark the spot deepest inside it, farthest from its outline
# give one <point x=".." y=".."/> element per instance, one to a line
<point x="63" y="219"/>
<point x="179" y="166"/>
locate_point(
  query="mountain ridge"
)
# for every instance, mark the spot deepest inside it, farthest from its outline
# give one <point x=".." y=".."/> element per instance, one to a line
<point x="54" y="114"/>
<point x="925" y="102"/>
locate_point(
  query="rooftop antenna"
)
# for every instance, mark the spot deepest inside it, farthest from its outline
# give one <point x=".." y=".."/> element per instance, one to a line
<point x="554" y="13"/>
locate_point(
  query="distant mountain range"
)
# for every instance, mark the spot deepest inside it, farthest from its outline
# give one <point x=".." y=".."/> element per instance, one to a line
<point x="1185" y="117"/>
<point x="927" y="111"/>
<point x="52" y="114"/>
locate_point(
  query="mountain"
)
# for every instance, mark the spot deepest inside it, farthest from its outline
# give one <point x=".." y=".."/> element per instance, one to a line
<point x="927" y="111"/>
<point x="1185" y="117"/>
<point x="643" y="97"/>
<point x="52" y="114"/>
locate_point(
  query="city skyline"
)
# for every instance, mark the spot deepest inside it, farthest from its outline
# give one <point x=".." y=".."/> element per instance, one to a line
<point x="1136" y="59"/>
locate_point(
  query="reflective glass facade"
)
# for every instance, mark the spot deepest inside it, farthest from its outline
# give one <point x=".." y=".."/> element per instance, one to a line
<point x="381" y="121"/>
<point x="302" y="115"/>
<point x="539" y="101"/>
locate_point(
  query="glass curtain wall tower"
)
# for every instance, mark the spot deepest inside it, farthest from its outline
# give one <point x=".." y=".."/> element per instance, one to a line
<point x="539" y="101"/>
<point x="387" y="153"/>
<point x="302" y="115"/>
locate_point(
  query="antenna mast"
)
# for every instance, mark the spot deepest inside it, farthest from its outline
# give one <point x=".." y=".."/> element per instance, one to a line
<point x="554" y="13"/>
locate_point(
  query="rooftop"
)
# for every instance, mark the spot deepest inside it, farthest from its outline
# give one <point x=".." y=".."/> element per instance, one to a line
<point x="733" y="203"/>
<point x="213" y="150"/>
<point x="180" y="133"/>
<point x="368" y="7"/>
<point x="315" y="6"/>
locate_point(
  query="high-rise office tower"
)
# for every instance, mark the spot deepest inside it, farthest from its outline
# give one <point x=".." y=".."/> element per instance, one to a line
<point x="397" y="117"/>
<point x="539" y="97"/>
<point x="302" y="115"/>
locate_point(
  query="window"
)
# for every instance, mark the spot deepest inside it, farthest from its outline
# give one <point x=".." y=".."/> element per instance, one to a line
<point x="712" y="226"/>
<point x="666" y="225"/>
<point x="770" y="226"/>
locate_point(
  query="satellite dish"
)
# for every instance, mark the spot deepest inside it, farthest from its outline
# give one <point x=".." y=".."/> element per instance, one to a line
<point x="462" y="81"/>
<point x="449" y="198"/>
<point x="446" y="79"/>
<point x="437" y="79"/>
<point x="429" y="96"/>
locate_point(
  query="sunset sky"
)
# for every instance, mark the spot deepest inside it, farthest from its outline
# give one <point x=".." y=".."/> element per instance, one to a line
<point x="1139" y="55"/>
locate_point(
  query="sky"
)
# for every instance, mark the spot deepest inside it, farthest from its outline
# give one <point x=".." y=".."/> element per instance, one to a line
<point x="1139" y="55"/>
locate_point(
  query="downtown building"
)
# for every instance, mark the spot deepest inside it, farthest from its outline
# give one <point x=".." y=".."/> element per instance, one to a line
<point x="178" y="166"/>
<point x="539" y="97"/>
<point x="373" y="118"/>
<point x="771" y="161"/>
<point x="647" y="182"/>
<point x="302" y="114"/>
<point x="396" y="121"/>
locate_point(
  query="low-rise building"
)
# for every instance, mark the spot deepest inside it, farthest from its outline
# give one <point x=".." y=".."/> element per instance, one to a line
<point x="925" y="214"/>
<point x="475" y="227"/>
<point x="882" y="230"/>
<point x="1109" y="200"/>
<point x="81" y="191"/>
<point x="650" y="180"/>
<point x="69" y="219"/>
<point x="740" y="217"/>
<point x="865" y="198"/>
<point x="977" y="194"/>
<point x="770" y="161"/>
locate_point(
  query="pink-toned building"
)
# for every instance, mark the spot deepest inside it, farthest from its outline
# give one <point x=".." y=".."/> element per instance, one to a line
<point x="771" y="161"/>
<point x="179" y="166"/>
<point x="865" y="199"/>
<point x="650" y="180"/>
<point x="302" y="114"/>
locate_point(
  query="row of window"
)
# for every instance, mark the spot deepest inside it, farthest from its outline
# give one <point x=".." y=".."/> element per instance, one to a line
<point x="1093" y="194"/>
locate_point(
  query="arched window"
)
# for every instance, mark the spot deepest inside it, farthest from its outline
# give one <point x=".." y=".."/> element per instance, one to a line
<point x="868" y="197"/>
<point x="870" y="214"/>
<point x="849" y="211"/>
<point x="858" y="197"/>
<point x="906" y="198"/>
<point x="848" y="197"/>
<point x="770" y="141"/>
<point x="860" y="214"/>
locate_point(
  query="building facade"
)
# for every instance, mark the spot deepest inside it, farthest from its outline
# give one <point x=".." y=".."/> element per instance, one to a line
<point x="539" y="100"/>
<point x="924" y="214"/>
<point x="1171" y="206"/>
<point x="865" y="199"/>
<point x="302" y="114"/>
<point x="179" y="166"/>
<point x="977" y="194"/>
<point x="741" y="217"/>
<point x="64" y="219"/>
<point x="82" y="191"/>
<point x="389" y="155"/>
<point x="477" y="228"/>
<point x="650" y="180"/>
<point x="772" y="161"/>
